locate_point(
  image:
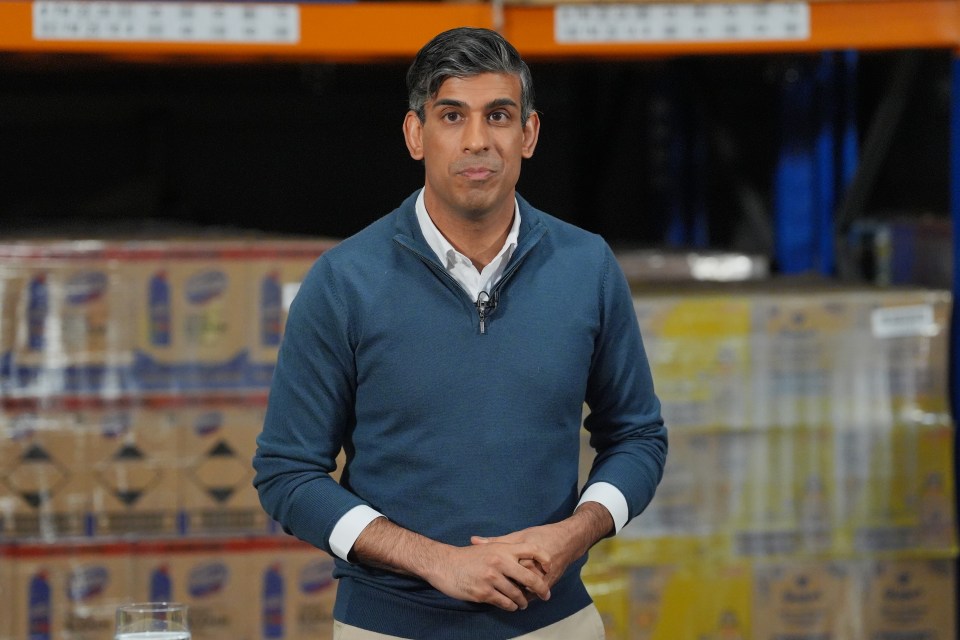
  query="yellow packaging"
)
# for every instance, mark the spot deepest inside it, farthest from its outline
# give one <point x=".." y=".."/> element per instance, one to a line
<point x="897" y="488"/>
<point x="910" y="330"/>
<point x="217" y="443"/>
<point x="707" y="602"/>
<point x="698" y="347"/>
<point x="801" y="599"/>
<point x="689" y="509"/>
<point x="936" y="510"/>
<point x="908" y="599"/>
<point x="782" y="492"/>
<point x="135" y="469"/>
<point x="647" y="587"/>
<point x="44" y="489"/>
<point x="609" y="586"/>
<point x="798" y="345"/>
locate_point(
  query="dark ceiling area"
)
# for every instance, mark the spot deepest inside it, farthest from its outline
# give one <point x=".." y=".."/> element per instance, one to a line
<point x="625" y="147"/>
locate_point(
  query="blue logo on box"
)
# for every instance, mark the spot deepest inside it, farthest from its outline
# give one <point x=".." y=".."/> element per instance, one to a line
<point x="316" y="576"/>
<point x="86" y="583"/>
<point x="86" y="287"/>
<point x="206" y="286"/>
<point x="208" y="579"/>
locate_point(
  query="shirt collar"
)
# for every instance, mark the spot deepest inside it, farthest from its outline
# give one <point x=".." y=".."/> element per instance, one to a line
<point x="445" y="251"/>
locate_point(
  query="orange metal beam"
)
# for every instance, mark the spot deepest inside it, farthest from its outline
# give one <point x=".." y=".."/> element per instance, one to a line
<point x="395" y="30"/>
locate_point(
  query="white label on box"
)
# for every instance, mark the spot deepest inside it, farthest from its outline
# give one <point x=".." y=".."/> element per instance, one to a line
<point x="288" y="293"/>
<point x="197" y="22"/>
<point x="900" y="322"/>
<point x="649" y="23"/>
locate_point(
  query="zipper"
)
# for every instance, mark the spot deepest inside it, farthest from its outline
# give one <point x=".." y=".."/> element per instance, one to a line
<point x="486" y="303"/>
<point x="485" y="306"/>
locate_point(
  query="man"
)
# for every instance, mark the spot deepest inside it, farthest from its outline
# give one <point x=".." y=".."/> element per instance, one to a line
<point x="449" y="348"/>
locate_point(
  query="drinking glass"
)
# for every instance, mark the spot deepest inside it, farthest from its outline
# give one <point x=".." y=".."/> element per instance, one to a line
<point x="152" y="621"/>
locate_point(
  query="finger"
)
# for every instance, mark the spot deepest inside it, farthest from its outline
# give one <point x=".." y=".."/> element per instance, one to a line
<point x="533" y="565"/>
<point x="512" y="591"/>
<point x="479" y="540"/>
<point x="529" y="580"/>
<point x="536" y="553"/>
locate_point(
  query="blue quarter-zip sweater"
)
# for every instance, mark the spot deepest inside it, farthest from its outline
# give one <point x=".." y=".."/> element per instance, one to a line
<point x="450" y="431"/>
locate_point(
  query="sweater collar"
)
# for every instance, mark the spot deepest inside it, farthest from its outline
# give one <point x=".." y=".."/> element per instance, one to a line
<point x="532" y="227"/>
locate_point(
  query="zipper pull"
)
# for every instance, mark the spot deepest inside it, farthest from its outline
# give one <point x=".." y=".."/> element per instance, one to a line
<point x="484" y="306"/>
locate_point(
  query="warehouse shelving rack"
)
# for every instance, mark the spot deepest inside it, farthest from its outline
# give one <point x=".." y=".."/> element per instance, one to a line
<point x="365" y="31"/>
<point x="805" y="232"/>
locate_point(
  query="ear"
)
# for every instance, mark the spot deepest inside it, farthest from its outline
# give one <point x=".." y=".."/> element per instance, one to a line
<point x="531" y="133"/>
<point x="413" y="135"/>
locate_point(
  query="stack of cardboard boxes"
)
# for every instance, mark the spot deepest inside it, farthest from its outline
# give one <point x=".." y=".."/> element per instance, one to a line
<point x="133" y="381"/>
<point x="809" y="487"/>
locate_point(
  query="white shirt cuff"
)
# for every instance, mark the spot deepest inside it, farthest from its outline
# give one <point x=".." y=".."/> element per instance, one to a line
<point x="610" y="497"/>
<point x="349" y="528"/>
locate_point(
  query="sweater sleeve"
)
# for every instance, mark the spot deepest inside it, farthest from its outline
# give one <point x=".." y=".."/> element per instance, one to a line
<point x="309" y="410"/>
<point x="625" y="425"/>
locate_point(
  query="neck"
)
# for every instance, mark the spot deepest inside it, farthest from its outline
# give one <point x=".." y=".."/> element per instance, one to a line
<point x="480" y="238"/>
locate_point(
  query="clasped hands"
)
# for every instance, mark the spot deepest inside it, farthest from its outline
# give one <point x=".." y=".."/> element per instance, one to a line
<point x="506" y="571"/>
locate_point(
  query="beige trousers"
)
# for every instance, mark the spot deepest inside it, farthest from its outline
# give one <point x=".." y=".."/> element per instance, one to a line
<point x="583" y="625"/>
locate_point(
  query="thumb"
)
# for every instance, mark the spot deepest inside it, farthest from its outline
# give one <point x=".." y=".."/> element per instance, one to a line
<point x="479" y="540"/>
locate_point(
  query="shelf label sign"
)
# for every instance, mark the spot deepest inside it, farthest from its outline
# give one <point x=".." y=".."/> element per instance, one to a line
<point x="676" y="23"/>
<point x="906" y="321"/>
<point x="194" y="22"/>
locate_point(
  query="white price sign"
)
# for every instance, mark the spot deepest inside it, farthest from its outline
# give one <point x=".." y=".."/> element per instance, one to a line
<point x="200" y="22"/>
<point x="659" y="23"/>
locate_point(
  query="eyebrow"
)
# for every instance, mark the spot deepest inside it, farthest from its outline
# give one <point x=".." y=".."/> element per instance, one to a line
<point x="493" y="104"/>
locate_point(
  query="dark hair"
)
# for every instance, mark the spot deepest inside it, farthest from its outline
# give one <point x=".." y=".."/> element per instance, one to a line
<point x="461" y="53"/>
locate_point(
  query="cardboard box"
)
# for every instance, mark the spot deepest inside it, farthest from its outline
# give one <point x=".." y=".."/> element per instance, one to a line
<point x="11" y="287"/>
<point x="908" y="598"/>
<point x="296" y="592"/>
<point x="781" y="492"/>
<point x="699" y="352"/>
<point x="609" y="586"/>
<point x="709" y="601"/>
<point x="689" y="513"/>
<point x="8" y="614"/>
<point x="799" y="348"/>
<point x="647" y="588"/>
<point x="44" y="490"/>
<point x="312" y="594"/>
<point x="135" y="469"/>
<point x="801" y="599"/>
<point x="213" y="578"/>
<point x="275" y="272"/>
<point x="217" y="444"/>
<point x="896" y="488"/>
<point x="191" y="316"/>
<point x="68" y="307"/>
<point x="69" y="592"/>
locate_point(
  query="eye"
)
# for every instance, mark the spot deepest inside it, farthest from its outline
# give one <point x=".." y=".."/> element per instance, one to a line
<point x="499" y="117"/>
<point x="450" y="116"/>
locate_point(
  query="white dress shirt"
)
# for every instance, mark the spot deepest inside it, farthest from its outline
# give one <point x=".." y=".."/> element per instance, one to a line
<point x="349" y="527"/>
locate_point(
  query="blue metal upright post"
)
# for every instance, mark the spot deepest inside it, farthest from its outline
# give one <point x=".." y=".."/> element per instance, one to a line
<point x="794" y="183"/>
<point x="954" y="179"/>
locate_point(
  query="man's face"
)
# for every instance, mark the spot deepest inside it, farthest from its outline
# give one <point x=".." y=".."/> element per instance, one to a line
<point x="472" y="142"/>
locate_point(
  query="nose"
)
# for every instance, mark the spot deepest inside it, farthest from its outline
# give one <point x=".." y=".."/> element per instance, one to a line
<point x="475" y="135"/>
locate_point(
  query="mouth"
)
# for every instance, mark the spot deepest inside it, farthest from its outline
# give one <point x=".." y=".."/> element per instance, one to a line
<point x="476" y="173"/>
